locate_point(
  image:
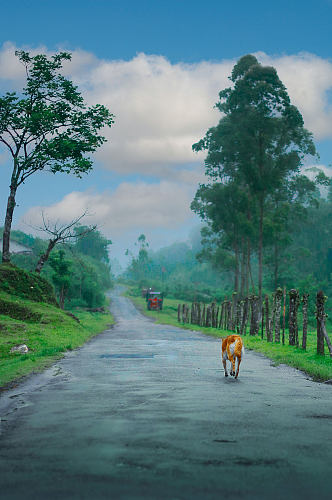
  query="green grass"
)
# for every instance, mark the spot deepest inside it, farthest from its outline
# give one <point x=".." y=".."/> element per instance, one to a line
<point x="45" y="329"/>
<point x="318" y="367"/>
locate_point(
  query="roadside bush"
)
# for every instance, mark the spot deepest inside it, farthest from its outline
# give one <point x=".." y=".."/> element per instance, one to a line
<point x="19" y="282"/>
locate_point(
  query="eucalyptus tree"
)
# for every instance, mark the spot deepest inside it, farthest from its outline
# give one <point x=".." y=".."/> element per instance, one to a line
<point x="260" y="142"/>
<point x="47" y="127"/>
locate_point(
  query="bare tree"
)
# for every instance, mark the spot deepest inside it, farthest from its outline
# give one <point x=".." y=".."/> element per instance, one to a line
<point x="60" y="234"/>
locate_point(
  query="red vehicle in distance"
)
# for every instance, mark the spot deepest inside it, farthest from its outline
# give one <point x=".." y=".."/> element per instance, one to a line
<point x="154" y="301"/>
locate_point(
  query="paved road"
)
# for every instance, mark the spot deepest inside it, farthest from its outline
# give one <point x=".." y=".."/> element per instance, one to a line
<point x="144" y="411"/>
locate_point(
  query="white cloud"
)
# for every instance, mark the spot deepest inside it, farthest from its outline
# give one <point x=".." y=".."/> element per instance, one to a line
<point x="163" y="108"/>
<point x="131" y="206"/>
<point x="308" y="79"/>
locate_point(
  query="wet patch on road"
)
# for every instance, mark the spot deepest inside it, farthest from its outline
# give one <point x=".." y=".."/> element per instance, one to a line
<point x="127" y="356"/>
<point x="327" y="417"/>
<point x="275" y="462"/>
<point x="224" y="441"/>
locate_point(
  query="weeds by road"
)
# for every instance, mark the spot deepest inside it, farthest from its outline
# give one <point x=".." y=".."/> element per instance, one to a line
<point x="46" y="330"/>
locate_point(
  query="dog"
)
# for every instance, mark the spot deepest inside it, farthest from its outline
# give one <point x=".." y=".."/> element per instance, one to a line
<point x="231" y="349"/>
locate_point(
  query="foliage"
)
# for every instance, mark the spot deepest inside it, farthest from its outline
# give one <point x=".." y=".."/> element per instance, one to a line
<point x="23" y="284"/>
<point x="253" y="154"/>
<point x="89" y="277"/>
<point x="93" y="244"/>
<point x="61" y="275"/>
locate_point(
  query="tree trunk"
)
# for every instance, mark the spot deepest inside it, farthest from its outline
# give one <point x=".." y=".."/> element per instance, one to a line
<point x="229" y="315"/>
<point x="276" y="266"/>
<point x="248" y="269"/>
<point x="260" y="248"/>
<point x="236" y="272"/>
<point x="44" y="258"/>
<point x="8" y="224"/>
<point x="234" y="302"/>
<point x="62" y="297"/>
<point x="243" y="271"/>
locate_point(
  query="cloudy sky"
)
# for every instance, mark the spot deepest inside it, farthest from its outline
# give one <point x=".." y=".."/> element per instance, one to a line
<point x="158" y="66"/>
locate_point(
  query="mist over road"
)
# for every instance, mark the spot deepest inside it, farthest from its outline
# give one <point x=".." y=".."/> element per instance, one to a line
<point x="144" y="411"/>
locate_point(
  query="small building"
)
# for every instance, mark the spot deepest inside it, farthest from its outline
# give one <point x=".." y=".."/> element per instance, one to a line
<point x="17" y="248"/>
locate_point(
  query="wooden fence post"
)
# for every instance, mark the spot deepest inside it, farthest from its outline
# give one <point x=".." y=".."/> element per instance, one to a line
<point x="179" y="313"/>
<point x="321" y="319"/>
<point x="305" y="297"/>
<point x="284" y="317"/>
<point x="245" y="310"/>
<point x="278" y="297"/>
<point x="198" y="313"/>
<point x="267" y="318"/>
<point x="254" y="320"/>
<point x="262" y="332"/>
<point x="208" y="316"/>
<point x="320" y="315"/>
<point x="238" y="316"/>
<point x="273" y="315"/>
<point x="213" y="314"/>
<point x="293" y="306"/>
<point x="203" y="316"/>
<point x="221" y="319"/>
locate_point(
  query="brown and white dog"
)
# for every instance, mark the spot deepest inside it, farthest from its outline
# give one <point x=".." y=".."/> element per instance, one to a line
<point x="232" y="349"/>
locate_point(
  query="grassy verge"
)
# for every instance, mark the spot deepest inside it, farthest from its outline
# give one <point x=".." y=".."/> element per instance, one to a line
<point x="46" y="330"/>
<point x="318" y="367"/>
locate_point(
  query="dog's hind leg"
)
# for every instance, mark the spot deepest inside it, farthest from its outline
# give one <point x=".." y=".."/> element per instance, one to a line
<point x="231" y="358"/>
<point x="225" y="367"/>
<point x="238" y="366"/>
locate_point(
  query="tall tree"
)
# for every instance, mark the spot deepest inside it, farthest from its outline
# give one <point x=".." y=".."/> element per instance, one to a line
<point x="47" y="126"/>
<point x="260" y="141"/>
<point x="224" y="207"/>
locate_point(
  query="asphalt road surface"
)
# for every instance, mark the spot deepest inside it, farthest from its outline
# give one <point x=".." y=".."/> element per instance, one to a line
<point x="144" y="411"/>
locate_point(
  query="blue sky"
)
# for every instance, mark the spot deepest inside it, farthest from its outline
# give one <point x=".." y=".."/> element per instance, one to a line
<point x="181" y="30"/>
<point x="159" y="66"/>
